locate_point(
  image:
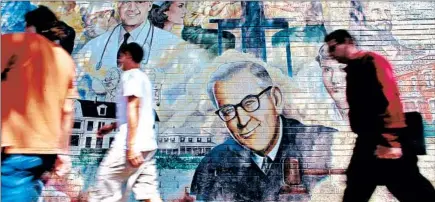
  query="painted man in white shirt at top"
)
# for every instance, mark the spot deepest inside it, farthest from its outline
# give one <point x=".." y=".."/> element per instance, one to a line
<point x="98" y="73"/>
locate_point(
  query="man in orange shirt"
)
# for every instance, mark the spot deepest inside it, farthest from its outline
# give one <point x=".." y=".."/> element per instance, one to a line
<point x="37" y="109"/>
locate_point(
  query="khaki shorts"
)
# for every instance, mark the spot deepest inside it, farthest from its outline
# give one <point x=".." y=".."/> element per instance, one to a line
<point x="115" y="172"/>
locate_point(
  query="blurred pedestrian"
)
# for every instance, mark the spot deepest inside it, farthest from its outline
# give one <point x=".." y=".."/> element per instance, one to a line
<point x="381" y="155"/>
<point x="130" y="161"/>
<point x="37" y="113"/>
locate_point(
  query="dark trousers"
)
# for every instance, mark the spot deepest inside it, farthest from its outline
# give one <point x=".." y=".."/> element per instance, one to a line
<point x="401" y="176"/>
<point x="20" y="176"/>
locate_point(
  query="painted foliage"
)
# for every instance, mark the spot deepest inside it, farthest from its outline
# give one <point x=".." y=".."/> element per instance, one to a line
<point x="264" y="60"/>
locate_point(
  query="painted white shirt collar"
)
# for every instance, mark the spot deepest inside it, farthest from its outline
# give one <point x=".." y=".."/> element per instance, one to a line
<point x="135" y="33"/>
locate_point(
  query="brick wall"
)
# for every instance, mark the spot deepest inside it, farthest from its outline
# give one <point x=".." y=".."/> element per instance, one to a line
<point x="285" y="38"/>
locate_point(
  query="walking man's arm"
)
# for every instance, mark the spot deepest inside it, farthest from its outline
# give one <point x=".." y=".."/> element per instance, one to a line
<point x="394" y="118"/>
<point x="134" y="157"/>
<point x="63" y="162"/>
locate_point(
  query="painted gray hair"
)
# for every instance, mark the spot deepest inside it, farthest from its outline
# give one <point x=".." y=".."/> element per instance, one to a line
<point x="229" y="70"/>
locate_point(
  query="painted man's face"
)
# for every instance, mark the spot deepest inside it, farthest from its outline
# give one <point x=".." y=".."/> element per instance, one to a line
<point x="378" y="16"/>
<point x="257" y="130"/>
<point x="98" y="23"/>
<point x="111" y="80"/>
<point x="70" y="5"/>
<point x="133" y="13"/>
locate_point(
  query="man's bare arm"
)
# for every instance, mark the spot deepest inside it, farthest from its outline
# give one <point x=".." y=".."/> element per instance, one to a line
<point x="134" y="157"/>
<point x="107" y="129"/>
<point x="67" y="118"/>
<point x="133" y="106"/>
<point x="67" y="124"/>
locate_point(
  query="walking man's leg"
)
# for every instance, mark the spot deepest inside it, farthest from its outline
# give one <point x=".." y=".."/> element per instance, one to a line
<point x="361" y="174"/>
<point x="112" y="175"/>
<point x="144" y="182"/>
<point x="405" y="181"/>
<point x="358" y="188"/>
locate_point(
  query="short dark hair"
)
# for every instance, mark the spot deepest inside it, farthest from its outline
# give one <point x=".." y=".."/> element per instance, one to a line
<point x="340" y="36"/>
<point x="44" y="20"/>
<point x="157" y="15"/>
<point x="134" y="49"/>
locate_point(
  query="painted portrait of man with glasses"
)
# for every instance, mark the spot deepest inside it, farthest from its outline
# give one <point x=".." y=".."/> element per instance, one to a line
<point x="269" y="156"/>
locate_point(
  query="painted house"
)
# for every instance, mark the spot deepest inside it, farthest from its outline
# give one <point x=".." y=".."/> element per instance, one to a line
<point x="195" y="144"/>
<point x="89" y="117"/>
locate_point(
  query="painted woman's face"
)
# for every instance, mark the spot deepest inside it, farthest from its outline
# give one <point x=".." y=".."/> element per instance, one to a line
<point x="334" y="79"/>
<point x="176" y="12"/>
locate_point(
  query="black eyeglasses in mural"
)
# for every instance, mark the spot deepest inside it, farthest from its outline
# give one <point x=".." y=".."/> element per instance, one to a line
<point x="250" y="104"/>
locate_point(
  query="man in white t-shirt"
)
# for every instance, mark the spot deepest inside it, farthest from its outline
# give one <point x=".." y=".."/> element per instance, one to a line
<point x="131" y="158"/>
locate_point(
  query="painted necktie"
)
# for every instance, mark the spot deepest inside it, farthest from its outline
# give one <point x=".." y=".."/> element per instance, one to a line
<point x="267" y="162"/>
<point x="126" y="36"/>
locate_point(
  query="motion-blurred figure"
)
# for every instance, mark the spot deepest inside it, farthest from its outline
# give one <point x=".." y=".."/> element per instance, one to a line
<point x="130" y="161"/>
<point x="381" y="154"/>
<point x="37" y="113"/>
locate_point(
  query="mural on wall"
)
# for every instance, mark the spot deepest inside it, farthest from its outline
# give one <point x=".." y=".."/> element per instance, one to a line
<point x="216" y="63"/>
<point x="199" y="29"/>
<point x="375" y="32"/>
<point x="289" y="166"/>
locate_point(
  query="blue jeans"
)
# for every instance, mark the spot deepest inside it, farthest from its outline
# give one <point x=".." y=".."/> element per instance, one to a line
<point x="20" y="176"/>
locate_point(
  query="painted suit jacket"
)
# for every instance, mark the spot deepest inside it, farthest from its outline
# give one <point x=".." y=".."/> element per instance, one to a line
<point x="228" y="172"/>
